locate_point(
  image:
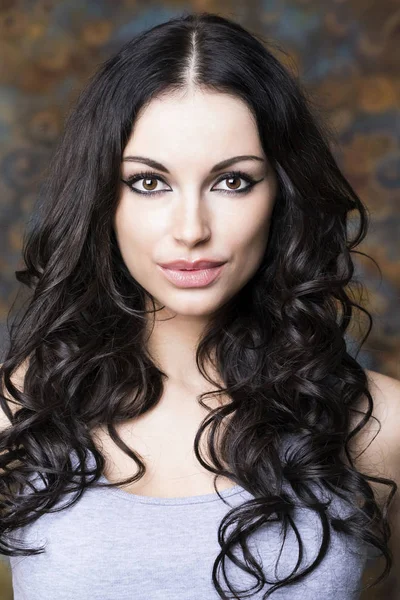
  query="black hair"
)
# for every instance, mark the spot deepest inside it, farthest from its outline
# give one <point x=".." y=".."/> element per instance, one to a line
<point x="279" y="344"/>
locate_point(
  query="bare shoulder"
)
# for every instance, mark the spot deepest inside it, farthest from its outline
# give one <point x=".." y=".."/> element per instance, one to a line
<point x="382" y="431"/>
<point x="376" y="448"/>
<point x="385" y="392"/>
<point x="379" y="443"/>
<point x="17" y="379"/>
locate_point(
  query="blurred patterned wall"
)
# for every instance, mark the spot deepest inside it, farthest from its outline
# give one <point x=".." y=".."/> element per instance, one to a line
<point x="346" y="52"/>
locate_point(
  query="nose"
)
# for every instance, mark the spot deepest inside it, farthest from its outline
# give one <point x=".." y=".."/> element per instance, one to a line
<point x="191" y="223"/>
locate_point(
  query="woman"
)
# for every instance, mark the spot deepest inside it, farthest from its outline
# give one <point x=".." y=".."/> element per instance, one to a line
<point x="193" y="144"/>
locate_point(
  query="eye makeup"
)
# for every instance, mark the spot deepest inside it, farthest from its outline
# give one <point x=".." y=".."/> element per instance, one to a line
<point x="251" y="182"/>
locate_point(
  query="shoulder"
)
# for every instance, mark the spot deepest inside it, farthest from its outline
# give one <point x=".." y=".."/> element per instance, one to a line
<point x="17" y="379"/>
<point x="385" y="392"/>
<point x="382" y="431"/>
<point x="376" y="448"/>
<point x="376" y="452"/>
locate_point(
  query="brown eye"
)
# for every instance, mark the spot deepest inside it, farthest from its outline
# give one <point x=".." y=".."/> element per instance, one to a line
<point x="233" y="178"/>
<point x="234" y="187"/>
<point x="233" y="182"/>
<point x="145" y="181"/>
<point x="147" y="186"/>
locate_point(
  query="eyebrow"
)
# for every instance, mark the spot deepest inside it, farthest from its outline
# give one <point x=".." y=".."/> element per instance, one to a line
<point x="221" y="165"/>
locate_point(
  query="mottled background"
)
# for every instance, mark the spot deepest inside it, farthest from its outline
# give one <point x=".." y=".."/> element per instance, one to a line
<point x="346" y="52"/>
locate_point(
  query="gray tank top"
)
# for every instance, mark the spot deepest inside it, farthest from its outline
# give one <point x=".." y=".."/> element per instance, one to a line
<point x="112" y="544"/>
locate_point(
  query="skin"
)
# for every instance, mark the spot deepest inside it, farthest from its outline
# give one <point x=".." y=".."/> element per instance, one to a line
<point x="189" y="133"/>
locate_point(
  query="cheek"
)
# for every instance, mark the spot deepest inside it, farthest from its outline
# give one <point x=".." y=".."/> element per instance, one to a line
<point x="135" y="236"/>
<point x="133" y="227"/>
<point x="251" y="225"/>
<point x="250" y="241"/>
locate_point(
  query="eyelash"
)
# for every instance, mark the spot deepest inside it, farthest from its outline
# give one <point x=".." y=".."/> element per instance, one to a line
<point x="151" y="175"/>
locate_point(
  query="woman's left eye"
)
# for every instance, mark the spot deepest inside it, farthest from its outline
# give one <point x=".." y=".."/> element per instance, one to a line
<point x="233" y="179"/>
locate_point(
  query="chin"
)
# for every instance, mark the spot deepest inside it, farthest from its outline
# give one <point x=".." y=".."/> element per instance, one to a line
<point x="191" y="309"/>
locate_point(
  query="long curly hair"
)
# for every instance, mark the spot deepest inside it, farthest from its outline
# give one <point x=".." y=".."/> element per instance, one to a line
<point x="278" y="346"/>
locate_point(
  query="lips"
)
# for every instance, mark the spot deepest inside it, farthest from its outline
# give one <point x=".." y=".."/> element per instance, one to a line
<point x="192" y="278"/>
<point x="185" y="265"/>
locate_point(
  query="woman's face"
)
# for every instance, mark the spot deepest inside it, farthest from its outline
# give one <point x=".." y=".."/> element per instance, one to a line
<point x="196" y="211"/>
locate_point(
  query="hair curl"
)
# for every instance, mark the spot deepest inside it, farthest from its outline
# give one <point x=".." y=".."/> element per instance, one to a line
<point x="279" y="344"/>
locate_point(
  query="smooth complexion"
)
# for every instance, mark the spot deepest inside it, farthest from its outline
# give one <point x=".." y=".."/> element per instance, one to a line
<point x="197" y="211"/>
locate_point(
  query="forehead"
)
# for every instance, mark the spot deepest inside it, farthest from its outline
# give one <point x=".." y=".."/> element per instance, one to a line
<point x="201" y="124"/>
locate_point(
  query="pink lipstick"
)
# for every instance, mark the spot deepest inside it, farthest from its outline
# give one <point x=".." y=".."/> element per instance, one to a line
<point x="192" y="278"/>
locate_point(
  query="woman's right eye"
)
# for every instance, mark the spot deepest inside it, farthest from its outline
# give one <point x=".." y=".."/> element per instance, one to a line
<point x="148" y="180"/>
